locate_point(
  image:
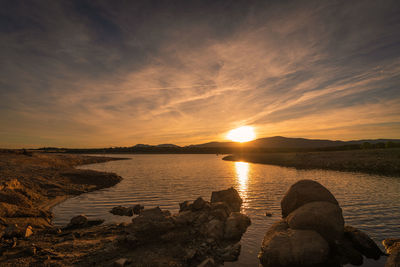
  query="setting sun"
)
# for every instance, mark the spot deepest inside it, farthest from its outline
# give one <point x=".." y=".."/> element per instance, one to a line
<point x="242" y="134"/>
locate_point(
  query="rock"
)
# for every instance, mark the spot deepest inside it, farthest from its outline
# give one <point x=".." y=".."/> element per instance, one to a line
<point x="362" y="242"/>
<point x="236" y="225"/>
<point x="323" y="217"/>
<point x="303" y="192"/>
<point x="12" y="231"/>
<point x="215" y="229"/>
<point x="154" y="213"/>
<point x="231" y="253"/>
<point x="394" y="258"/>
<point x="95" y="222"/>
<point x="28" y="231"/>
<point x="347" y="254"/>
<point x="219" y="214"/>
<point x="122" y="211"/>
<point x="121" y="262"/>
<point x="185" y="217"/>
<point x="137" y="209"/>
<point x="184" y="206"/>
<point x="3" y="222"/>
<point x="389" y="242"/>
<point x="283" y="246"/>
<point x="190" y="253"/>
<point x="220" y="210"/>
<point x="198" y="204"/>
<point x="79" y="220"/>
<point x="31" y="250"/>
<point x="209" y="262"/>
<point x="229" y="196"/>
<point x="152" y="223"/>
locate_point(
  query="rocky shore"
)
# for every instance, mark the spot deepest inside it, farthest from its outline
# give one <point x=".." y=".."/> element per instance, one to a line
<point x="203" y="233"/>
<point x="312" y="232"/>
<point x="375" y="161"/>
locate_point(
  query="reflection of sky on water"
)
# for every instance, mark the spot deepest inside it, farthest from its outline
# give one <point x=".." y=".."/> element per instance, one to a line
<point x="242" y="174"/>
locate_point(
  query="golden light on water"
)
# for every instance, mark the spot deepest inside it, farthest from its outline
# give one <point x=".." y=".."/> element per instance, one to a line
<point x="242" y="134"/>
<point x="242" y="173"/>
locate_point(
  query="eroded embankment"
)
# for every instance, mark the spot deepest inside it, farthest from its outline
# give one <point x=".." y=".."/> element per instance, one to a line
<point x="30" y="184"/>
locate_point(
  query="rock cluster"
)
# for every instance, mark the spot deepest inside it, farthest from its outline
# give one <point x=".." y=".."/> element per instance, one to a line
<point x="205" y="232"/>
<point x="313" y="233"/>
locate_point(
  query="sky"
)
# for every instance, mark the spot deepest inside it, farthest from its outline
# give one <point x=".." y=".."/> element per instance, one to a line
<point x="80" y="73"/>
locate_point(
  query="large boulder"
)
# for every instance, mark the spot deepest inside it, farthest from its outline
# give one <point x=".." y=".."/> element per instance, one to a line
<point x="362" y="242"/>
<point x="283" y="246"/>
<point x="303" y="192"/>
<point x="312" y="232"/>
<point x="229" y="196"/>
<point x="323" y="217"/>
<point x="236" y="225"/>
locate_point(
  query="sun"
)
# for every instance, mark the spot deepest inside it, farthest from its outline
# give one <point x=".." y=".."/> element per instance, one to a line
<point x="242" y="134"/>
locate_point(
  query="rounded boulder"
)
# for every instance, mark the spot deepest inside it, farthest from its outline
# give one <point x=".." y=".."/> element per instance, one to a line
<point x="303" y="192"/>
<point x="323" y="217"/>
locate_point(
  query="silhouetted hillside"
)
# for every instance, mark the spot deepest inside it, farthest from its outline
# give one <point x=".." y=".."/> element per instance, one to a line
<point x="269" y="144"/>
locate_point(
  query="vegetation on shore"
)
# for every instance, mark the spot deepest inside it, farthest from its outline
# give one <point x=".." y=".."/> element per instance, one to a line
<point x="375" y="161"/>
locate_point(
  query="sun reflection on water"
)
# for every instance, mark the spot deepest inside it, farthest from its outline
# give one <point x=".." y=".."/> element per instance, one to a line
<point x="242" y="173"/>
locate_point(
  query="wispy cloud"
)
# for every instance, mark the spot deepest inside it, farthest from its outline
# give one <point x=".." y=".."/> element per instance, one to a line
<point x="92" y="74"/>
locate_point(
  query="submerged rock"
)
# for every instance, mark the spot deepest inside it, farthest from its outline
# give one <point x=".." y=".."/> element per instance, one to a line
<point x="312" y="232"/>
<point x="362" y="242"/>
<point x="122" y="211"/>
<point x="81" y="221"/>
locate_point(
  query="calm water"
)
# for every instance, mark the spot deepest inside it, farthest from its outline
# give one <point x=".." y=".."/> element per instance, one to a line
<point x="369" y="202"/>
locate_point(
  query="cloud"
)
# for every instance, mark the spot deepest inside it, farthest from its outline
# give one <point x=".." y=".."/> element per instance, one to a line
<point x="83" y="73"/>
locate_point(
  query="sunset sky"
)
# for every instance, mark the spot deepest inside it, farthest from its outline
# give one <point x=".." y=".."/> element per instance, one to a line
<point x="116" y="73"/>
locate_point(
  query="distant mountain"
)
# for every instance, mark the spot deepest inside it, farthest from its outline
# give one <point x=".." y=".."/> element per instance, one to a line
<point x="286" y="143"/>
<point x="167" y="145"/>
<point x="141" y="146"/>
<point x="215" y="144"/>
<point x="268" y="144"/>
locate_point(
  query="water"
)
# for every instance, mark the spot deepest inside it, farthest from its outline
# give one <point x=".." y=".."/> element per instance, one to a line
<point x="369" y="202"/>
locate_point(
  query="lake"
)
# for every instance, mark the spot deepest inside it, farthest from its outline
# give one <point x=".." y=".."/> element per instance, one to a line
<point x="369" y="202"/>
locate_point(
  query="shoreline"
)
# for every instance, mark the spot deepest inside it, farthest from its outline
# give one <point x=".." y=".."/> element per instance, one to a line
<point x="202" y="232"/>
<point x="375" y="161"/>
<point x="33" y="184"/>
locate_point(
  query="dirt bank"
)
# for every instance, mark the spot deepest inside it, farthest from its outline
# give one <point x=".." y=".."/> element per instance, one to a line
<point x="30" y="184"/>
<point x="375" y="161"/>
